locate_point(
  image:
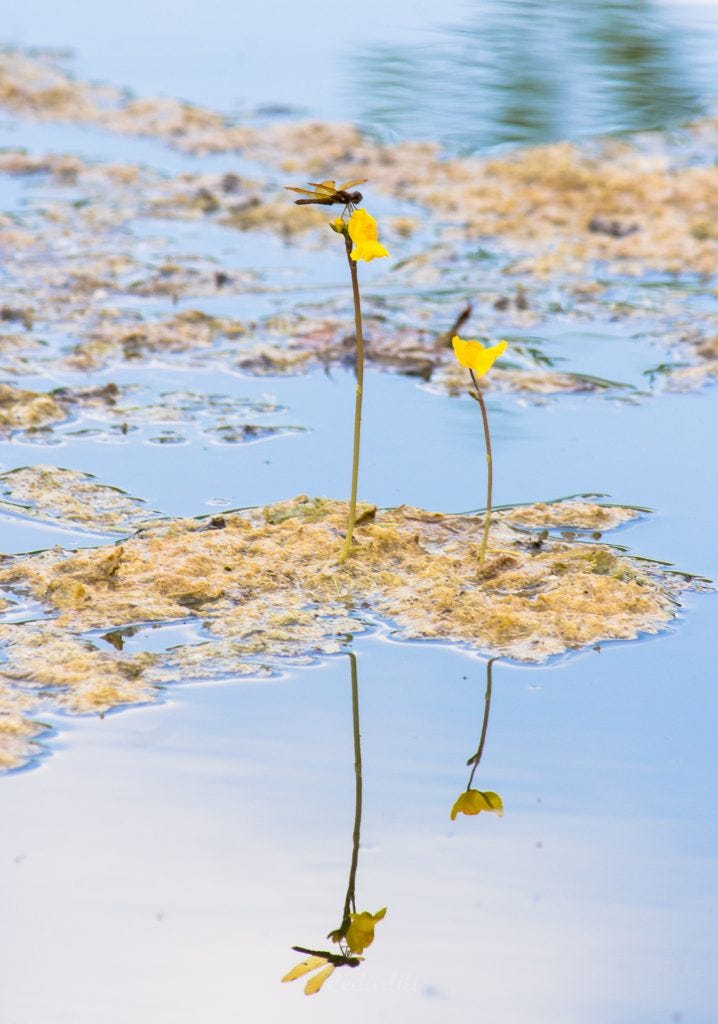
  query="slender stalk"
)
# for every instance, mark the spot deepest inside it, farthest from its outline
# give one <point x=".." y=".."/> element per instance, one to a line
<point x="346" y="550"/>
<point x="489" y="468"/>
<point x="350" y="901"/>
<point x="485" y="724"/>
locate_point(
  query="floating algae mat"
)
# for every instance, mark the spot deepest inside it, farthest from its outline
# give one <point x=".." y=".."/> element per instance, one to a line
<point x="119" y="272"/>
<point x="71" y="498"/>
<point x="263" y="585"/>
<point x="549" y="237"/>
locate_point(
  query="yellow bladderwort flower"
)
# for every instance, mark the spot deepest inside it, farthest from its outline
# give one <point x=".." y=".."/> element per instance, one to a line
<point x="477" y="359"/>
<point x="475" y="356"/>
<point x="339" y="225"/>
<point x="363" y="233"/>
<point x="360" y="933"/>
<point x="473" y="801"/>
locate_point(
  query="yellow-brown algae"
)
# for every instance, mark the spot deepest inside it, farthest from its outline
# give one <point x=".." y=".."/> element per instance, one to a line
<point x="265" y="587"/>
<point x="451" y="377"/>
<point x="17" y="730"/>
<point x="414" y="568"/>
<point x="20" y="355"/>
<point x="690" y="378"/>
<point x="185" y="332"/>
<point x="581" y="515"/>
<point x="558" y="206"/>
<point x="16" y="738"/>
<point x="51" y="669"/>
<point x="26" y="410"/>
<point x="72" y="498"/>
<point x="39" y="88"/>
<point x="541" y="211"/>
<point x="274" y="215"/>
<point x="73" y="671"/>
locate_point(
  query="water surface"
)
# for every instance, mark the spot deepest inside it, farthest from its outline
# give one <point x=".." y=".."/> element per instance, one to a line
<point x="159" y="864"/>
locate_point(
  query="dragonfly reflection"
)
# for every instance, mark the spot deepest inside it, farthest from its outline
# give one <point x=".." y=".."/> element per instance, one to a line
<point x="356" y="930"/>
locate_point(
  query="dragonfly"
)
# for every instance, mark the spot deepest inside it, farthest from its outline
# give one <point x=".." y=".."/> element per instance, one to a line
<point x="319" y="958"/>
<point x="327" y="193"/>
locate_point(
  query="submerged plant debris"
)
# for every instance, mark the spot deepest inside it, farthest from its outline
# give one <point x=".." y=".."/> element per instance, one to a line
<point x="263" y="585"/>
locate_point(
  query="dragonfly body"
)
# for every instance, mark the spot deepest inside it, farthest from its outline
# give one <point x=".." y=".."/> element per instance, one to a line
<point x="327" y="193"/>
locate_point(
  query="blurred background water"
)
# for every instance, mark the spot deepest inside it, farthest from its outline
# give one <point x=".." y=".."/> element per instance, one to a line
<point x="472" y="75"/>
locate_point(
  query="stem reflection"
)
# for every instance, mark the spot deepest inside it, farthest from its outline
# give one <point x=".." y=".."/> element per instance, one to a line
<point x="473" y="801"/>
<point x="356" y="931"/>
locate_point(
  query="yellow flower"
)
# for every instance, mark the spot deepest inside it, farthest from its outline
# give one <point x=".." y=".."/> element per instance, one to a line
<point x="474" y="356"/>
<point x="360" y="933"/>
<point x="363" y="233"/>
<point x="339" y="225"/>
<point x="472" y="801"/>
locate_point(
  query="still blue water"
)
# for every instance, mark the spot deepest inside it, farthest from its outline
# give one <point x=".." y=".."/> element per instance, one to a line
<point x="469" y="74"/>
<point x="158" y="866"/>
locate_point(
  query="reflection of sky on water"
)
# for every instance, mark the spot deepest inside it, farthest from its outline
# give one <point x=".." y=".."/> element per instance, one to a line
<point x="193" y="844"/>
<point x="524" y="71"/>
<point x="472" y="74"/>
<point x="160" y="864"/>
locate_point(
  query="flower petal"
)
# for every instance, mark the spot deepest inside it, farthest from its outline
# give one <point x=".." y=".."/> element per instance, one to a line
<point x="474" y="356"/>
<point x="363" y="233"/>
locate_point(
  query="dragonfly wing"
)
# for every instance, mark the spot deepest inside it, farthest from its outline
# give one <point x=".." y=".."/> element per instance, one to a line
<point x="352" y="184"/>
<point x="310" y="964"/>
<point x="304" y="191"/>
<point x="329" y="186"/>
<point x="315" y="983"/>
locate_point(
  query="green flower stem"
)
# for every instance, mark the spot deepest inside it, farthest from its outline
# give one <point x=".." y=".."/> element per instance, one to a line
<point x="485" y="724"/>
<point x="489" y="468"/>
<point x="350" y="901"/>
<point x="346" y="550"/>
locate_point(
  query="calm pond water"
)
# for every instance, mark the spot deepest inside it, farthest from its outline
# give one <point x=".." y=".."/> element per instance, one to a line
<point x="160" y="863"/>
<point x="469" y="74"/>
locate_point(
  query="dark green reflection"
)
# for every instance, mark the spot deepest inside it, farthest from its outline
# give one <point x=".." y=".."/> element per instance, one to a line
<point x="530" y="71"/>
<point x="356" y="930"/>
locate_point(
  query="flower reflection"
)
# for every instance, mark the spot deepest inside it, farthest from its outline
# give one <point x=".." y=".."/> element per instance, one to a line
<point x="356" y="931"/>
<point x="474" y="801"/>
<point x="360" y="932"/>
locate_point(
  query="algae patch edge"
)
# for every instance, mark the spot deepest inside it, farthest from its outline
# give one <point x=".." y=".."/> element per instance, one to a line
<point x="264" y="586"/>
